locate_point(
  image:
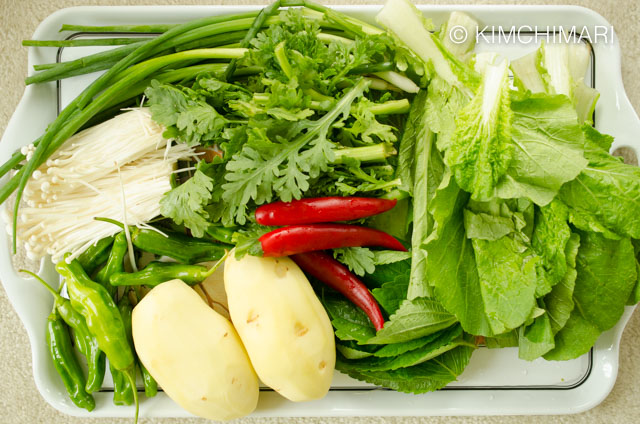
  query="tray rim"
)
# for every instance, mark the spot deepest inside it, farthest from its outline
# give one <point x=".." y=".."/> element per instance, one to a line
<point x="606" y="348"/>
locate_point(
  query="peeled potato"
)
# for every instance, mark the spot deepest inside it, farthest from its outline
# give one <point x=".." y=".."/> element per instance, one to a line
<point x="282" y="324"/>
<point x="194" y="353"/>
<point x="212" y="291"/>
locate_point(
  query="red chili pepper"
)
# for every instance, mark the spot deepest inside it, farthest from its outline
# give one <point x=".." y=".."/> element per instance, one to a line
<point x="294" y="239"/>
<point x="321" y="209"/>
<point x="331" y="272"/>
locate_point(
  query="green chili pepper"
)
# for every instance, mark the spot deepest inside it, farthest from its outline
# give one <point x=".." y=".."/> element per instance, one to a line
<point x="178" y="246"/>
<point x="86" y="343"/>
<point x="65" y="362"/>
<point x="100" y="312"/>
<point x="213" y="232"/>
<point x="115" y="263"/>
<point x="122" y="391"/>
<point x="96" y="359"/>
<point x="150" y="384"/>
<point x="122" y="388"/>
<point x="221" y="234"/>
<point x="103" y="318"/>
<point x="158" y="272"/>
<point x="95" y="255"/>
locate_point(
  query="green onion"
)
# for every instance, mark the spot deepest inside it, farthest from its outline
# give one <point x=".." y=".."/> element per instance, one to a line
<point x="148" y="29"/>
<point x="194" y="30"/>
<point x="82" y="42"/>
<point x="253" y="30"/>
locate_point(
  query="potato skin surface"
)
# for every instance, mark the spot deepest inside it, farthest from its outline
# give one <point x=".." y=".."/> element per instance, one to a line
<point x="194" y="353"/>
<point x="282" y="324"/>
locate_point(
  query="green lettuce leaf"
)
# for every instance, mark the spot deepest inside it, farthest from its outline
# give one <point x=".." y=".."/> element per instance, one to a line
<point x="543" y="127"/>
<point x="481" y="149"/>
<point x="451" y="267"/>
<point x="574" y="340"/>
<point x="635" y="293"/>
<point x="559" y="302"/>
<point x="508" y="280"/>
<point x="558" y="68"/>
<point x="536" y="339"/>
<point x="498" y="218"/>
<point x="484" y="226"/>
<point x="420" y="167"/>
<point x="506" y="264"/>
<point x="606" y="275"/>
<point x="499" y="341"/>
<point x="549" y="241"/>
<point x="442" y="105"/>
<point x="414" y="130"/>
<point x="604" y="197"/>
<point x="425" y="184"/>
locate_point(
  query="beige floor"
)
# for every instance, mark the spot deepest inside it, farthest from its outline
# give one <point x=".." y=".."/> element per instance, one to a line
<point x="20" y="402"/>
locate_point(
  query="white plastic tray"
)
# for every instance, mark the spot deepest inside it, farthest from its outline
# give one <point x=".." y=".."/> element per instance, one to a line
<point x="495" y="383"/>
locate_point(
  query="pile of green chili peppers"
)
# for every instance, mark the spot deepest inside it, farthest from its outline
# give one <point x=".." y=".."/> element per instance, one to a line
<point x="99" y="309"/>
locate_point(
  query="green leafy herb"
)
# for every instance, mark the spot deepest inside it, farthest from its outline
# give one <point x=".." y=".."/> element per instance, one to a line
<point x="362" y="260"/>
<point x="247" y="240"/>
<point x="266" y="167"/>
<point x="185" y="203"/>
<point x="414" y="318"/>
<point x="425" y="377"/>
<point x="350" y="322"/>
<point x="391" y="294"/>
<point x="366" y="126"/>
<point x="396" y="349"/>
<point x="185" y="113"/>
<point x="446" y="340"/>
